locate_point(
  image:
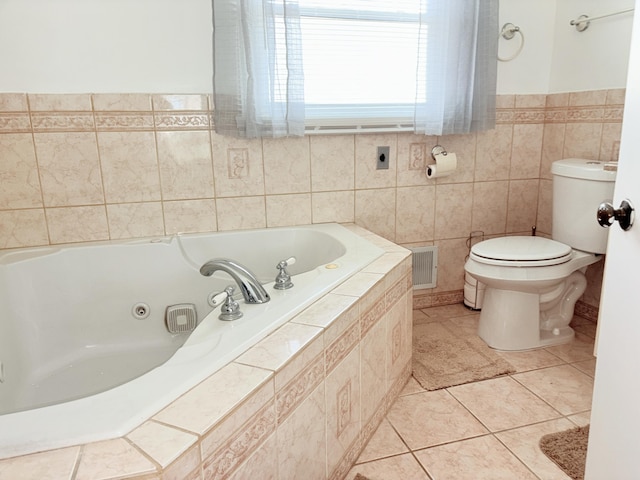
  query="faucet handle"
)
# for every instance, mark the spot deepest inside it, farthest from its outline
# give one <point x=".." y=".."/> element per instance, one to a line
<point x="283" y="279"/>
<point x="230" y="309"/>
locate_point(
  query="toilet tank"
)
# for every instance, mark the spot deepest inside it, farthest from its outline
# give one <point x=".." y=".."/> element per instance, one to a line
<point x="579" y="186"/>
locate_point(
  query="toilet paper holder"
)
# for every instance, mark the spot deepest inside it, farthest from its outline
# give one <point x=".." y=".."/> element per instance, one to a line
<point x="437" y="150"/>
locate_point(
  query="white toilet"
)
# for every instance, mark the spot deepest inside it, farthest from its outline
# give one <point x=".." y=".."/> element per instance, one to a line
<point x="532" y="283"/>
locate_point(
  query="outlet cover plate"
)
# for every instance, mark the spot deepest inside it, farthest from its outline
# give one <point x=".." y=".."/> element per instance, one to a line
<point x="382" y="162"/>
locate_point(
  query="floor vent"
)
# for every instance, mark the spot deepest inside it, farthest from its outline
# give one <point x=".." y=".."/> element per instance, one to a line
<point x="425" y="267"/>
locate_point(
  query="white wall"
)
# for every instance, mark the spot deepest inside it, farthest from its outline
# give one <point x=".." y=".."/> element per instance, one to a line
<point x="160" y="46"/>
<point x="82" y="46"/>
<point x="596" y="58"/>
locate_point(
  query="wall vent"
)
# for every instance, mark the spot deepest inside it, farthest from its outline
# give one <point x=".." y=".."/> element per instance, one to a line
<point x="425" y="267"/>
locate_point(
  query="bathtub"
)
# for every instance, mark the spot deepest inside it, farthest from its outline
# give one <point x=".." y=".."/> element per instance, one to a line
<point x="79" y="363"/>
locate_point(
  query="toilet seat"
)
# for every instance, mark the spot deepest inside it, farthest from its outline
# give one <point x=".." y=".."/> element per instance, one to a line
<point x="521" y="251"/>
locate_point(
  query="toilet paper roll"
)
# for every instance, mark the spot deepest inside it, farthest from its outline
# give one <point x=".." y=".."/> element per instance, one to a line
<point x="445" y="165"/>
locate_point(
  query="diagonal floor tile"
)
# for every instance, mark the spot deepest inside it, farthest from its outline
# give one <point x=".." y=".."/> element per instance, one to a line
<point x="482" y="458"/>
<point x="431" y="418"/>
<point x="531" y="359"/>
<point x="564" y="387"/>
<point x="502" y="403"/>
<point x="401" y="467"/>
<point x="525" y="444"/>
<point x="385" y="442"/>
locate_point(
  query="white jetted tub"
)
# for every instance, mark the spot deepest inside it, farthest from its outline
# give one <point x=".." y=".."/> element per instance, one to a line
<point x="85" y="352"/>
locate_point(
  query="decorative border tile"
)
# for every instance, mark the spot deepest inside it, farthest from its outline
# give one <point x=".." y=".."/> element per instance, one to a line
<point x="230" y="455"/>
<point x="182" y="121"/>
<point x="15" y="123"/>
<point x="342" y="346"/>
<point x="292" y="394"/>
<point x="115" y="121"/>
<point x="62" y="121"/>
<point x="587" y="311"/>
<point x="427" y="300"/>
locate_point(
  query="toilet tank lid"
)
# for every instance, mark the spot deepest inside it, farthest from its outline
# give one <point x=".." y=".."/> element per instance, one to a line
<point x="583" y="168"/>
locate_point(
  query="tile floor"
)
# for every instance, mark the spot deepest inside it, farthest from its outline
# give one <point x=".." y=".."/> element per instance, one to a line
<point x="488" y="429"/>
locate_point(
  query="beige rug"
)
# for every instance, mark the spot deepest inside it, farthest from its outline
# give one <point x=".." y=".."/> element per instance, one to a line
<point x="442" y="359"/>
<point x="568" y="450"/>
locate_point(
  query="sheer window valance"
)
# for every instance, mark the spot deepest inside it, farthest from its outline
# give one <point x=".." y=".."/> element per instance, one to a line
<point x="283" y="67"/>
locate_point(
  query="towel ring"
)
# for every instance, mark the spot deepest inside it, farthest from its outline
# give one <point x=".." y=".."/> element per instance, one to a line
<point x="509" y="31"/>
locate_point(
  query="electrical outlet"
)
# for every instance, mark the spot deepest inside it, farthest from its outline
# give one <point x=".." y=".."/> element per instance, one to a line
<point x="382" y="163"/>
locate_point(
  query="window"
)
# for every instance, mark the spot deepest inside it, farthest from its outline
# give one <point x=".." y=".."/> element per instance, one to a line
<point x="360" y="61"/>
<point x="285" y="67"/>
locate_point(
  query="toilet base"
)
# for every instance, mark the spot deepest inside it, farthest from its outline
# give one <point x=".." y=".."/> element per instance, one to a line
<point x="510" y="321"/>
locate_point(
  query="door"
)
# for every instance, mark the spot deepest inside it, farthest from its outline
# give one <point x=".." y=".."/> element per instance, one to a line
<point x="614" y="442"/>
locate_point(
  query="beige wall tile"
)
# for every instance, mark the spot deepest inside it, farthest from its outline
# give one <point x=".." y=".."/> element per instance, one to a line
<point x="489" y="213"/>
<point x="531" y="101"/>
<point x="122" y="102"/>
<point x="186" y="169"/>
<point x="367" y="175"/>
<point x="453" y="210"/>
<point x="332" y="162"/>
<point x="333" y="207"/>
<point x="190" y="216"/>
<point x="552" y="147"/>
<point x="48" y="102"/>
<point x="451" y="257"/>
<point x="301" y="440"/>
<point x="241" y="213"/>
<point x="134" y="220"/>
<point x="180" y="102"/>
<point x="527" y="151"/>
<point x="557" y="100"/>
<point x="287" y="165"/>
<point x="505" y="101"/>
<point x="237" y="166"/>
<point x="523" y="202"/>
<point x="415" y="214"/>
<point x="69" y="169"/>
<point x="582" y="140"/>
<point x="77" y="224"/>
<point x="610" y="143"/>
<point x="287" y="210"/>
<point x="376" y="210"/>
<point x="23" y="228"/>
<point x="13" y="102"/>
<point x="616" y="96"/>
<point x="545" y="205"/>
<point x="19" y="172"/>
<point x="129" y="166"/>
<point x="588" y="98"/>
<point x="493" y="156"/>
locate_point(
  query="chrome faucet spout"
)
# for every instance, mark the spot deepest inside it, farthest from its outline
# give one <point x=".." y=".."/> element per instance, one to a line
<point x="251" y="288"/>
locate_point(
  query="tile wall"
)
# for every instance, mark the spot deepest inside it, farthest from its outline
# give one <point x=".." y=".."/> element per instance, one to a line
<point x="78" y="168"/>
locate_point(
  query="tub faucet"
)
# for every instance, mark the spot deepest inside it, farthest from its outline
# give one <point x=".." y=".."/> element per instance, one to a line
<point x="252" y="290"/>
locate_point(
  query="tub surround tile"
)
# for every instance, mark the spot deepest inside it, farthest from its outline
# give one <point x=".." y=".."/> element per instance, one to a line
<point x="186" y="467"/>
<point x="19" y="173"/>
<point x="276" y="350"/>
<point x="73" y="224"/>
<point x="287" y="165"/>
<point x="196" y="412"/>
<point x="333" y="207"/>
<point x="190" y="216"/>
<point x="162" y="443"/>
<point x="129" y="166"/>
<point x="359" y="284"/>
<point x="135" y="220"/>
<point x="241" y="213"/>
<point x="263" y="464"/>
<point x="332" y="162"/>
<point x="112" y="459"/>
<point x="69" y="169"/>
<point x="375" y="210"/>
<point x="186" y="170"/>
<point x="288" y="210"/>
<point x="372" y="356"/>
<point x="237" y="166"/>
<point x="51" y="465"/>
<point x="23" y="228"/>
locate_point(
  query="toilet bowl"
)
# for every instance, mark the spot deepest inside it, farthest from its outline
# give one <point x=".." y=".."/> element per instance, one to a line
<point x="532" y="283"/>
<point x="531" y="287"/>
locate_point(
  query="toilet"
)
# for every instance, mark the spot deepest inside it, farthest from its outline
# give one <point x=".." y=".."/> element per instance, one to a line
<point x="531" y="283"/>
